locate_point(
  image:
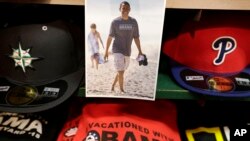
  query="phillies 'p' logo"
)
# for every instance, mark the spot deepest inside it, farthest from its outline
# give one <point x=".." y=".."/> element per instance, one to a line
<point x="224" y="45"/>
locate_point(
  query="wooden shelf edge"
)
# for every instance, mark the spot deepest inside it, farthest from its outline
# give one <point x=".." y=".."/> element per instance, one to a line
<point x="209" y="4"/>
<point x="59" y="2"/>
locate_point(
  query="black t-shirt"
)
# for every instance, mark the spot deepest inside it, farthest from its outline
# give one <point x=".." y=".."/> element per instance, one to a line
<point x="40" y="126"/>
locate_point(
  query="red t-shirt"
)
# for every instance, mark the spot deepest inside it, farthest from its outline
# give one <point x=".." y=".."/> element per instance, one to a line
<point x="128" y="120"/>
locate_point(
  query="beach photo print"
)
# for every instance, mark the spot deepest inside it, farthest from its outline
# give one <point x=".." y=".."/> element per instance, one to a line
<point x="122" y="46"/>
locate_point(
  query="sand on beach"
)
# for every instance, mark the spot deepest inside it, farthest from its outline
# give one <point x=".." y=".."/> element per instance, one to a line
<point x="139" y="81"/>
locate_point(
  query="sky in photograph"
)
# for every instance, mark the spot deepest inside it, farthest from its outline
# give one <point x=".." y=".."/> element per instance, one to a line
<point x="149" y="15"/>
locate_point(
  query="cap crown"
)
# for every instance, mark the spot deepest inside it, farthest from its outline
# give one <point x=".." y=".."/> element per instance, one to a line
<point x="37" y="53"/>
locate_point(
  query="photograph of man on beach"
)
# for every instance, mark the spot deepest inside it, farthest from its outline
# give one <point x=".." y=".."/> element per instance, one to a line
<point x="123" y="42"/>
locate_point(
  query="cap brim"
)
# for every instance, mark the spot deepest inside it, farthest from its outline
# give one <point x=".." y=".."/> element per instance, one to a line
<point x="47" y="95"/>
<point x="223" y="85"/>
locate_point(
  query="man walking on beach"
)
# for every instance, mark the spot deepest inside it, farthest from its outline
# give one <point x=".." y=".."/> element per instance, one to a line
<point x="123" y="29"/>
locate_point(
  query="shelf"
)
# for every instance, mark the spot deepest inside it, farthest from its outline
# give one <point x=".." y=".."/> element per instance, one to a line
<point x="61" y="2"/>
<point x="209" y="4"/>
<point x="167" y="89"/>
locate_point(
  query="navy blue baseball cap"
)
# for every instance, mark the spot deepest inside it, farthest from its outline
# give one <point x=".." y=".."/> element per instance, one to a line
<point x="41" y="65"/>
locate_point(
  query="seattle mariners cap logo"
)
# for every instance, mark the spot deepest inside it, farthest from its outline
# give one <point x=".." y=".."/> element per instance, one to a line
<point x="22" y="57"/>
<point x="224" y="45"/>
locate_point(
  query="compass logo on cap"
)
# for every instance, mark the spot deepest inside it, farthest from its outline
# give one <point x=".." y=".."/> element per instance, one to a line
<point x="22" y="57"/>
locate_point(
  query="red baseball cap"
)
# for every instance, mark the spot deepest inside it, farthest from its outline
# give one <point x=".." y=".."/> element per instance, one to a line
<point x="128" y="120"/>
<point x="210" y="56"/>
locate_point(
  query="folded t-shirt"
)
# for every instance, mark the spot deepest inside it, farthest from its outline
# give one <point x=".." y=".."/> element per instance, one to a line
<point x="128" y="120"/>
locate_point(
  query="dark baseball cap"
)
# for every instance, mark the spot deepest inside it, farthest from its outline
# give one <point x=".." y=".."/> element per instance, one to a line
<point x="41" y="65"/>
